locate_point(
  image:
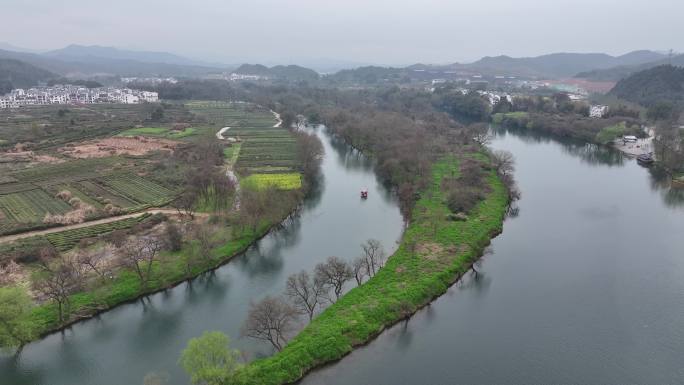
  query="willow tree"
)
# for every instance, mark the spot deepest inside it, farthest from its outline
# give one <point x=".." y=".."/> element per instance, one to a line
<point x="209" y="360"/>
<point x="16" y="327"/>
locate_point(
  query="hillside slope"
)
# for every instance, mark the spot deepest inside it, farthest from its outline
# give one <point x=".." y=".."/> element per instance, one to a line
<point x="289" y="72"/>
<point x="21" y="75"/>
<point x="85" y="66"/>
<point x="561" y="64"/>
<point x="623" y="71"/>
<point x="661" y="83"/>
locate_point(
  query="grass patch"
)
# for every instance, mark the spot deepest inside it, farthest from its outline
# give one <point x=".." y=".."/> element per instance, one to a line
<point x="182" y="134"/>
<point x="287" y="181"/>
<point x="153" y="131"/>
<point x="610" y="133"/>
<point x="433" y="254"/>
<point x="231" y="153"/>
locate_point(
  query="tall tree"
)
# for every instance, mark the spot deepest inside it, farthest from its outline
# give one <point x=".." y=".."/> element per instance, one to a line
<point x="374" y="255"/>
<point x="270" y="319"/>
<point x="305" y="292"/>
<point x="209" y="360"/>
<point x="16" y="328"/>
<point x="334" y="273"/>
<point x="140" y="254"/>
<point x="58" y="279"/>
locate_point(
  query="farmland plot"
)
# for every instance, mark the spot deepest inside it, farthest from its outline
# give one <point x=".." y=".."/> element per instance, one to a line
<point x="31" y="206"/>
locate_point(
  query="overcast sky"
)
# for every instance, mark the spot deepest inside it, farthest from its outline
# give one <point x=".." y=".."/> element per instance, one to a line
<point x="365" y="31"/>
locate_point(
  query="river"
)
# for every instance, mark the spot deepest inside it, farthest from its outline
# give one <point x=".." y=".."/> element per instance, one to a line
<point x="122" y="345"/>
<point x="584" y="286"/>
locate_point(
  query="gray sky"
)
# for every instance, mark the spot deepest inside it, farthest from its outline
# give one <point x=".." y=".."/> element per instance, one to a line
<point x="368" y="31"/>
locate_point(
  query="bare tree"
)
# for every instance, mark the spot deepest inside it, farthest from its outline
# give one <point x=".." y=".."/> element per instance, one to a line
<point x="174" y="236"/>
<point x="140" y="255"/>
<point x="57" y="281"/>
<point x="504" y="162"/>
<point x="185" y="203"/>
<point x="479" y="133"/>
<point x="270" y="320"/>
<point x="204" y="240"/>
<point x="374" y="254"/>
<point x="309" y="153"/>
<point x="334" y="273"/>
<point x="305" y="292"/>
<point x="92" y="260"/>
<point x="360" y="269"/>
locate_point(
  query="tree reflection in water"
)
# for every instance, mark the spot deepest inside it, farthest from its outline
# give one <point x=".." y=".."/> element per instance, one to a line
<point x="597" y="155"/>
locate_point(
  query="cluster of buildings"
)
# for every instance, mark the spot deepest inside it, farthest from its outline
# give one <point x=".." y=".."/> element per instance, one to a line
<point x="234" y="77"/>
<point x="149" y="80"/>
<point x="598" y="111"/>
<point x="68" y="94"/>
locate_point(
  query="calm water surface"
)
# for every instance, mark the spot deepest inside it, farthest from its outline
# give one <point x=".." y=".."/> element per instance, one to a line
<point x="123" y="345"/>
<point x="584" y="286"/>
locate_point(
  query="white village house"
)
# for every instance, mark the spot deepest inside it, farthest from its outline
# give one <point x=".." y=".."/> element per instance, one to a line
<point x="67" y="94"/>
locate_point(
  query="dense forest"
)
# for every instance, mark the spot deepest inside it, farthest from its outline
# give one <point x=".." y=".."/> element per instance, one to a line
<point x="658" y="84"/>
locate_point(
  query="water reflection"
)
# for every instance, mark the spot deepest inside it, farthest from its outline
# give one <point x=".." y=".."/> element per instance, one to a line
<point x="597" y="156"/>
<point x="584" y="287"/>
<point x="661" y="181"/>
<point x="148" y="335"/>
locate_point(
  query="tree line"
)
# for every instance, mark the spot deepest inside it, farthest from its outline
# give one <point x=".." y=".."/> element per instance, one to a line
<point x="208" y="359"/>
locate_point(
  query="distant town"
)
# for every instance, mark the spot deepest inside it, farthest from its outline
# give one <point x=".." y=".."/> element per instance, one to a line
<point x="68" y="94"/>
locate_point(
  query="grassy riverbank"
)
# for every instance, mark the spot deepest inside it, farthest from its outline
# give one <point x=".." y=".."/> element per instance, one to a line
<point x="434" y="253"/>
<point x="171" y="269"/>
<point x="598" y="131"/>
<point x="96" y="269"/>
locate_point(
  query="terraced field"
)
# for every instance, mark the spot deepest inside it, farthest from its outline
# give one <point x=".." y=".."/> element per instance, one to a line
<point x="31" y="206"/>
<point x="31" y="193"/>
<point x="67" y="240"/>
<point x="264" y="149"/>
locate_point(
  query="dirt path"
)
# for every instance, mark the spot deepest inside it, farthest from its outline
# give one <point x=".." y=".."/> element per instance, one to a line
<point x="14" y="237"/>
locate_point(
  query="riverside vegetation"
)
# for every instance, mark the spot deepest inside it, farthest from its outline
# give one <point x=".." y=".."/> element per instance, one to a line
<point x="454" y="194"/>
<point x="73" y="274"/>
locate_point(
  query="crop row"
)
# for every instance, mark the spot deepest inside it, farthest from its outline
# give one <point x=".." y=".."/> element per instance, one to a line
<point x="79" y="169"/>
<point x="136" y="188"/>
<point x="9" y="188"/>
<point x="31" y="206"/>
<point x="68" y="239"/>
<point x="103" y="195"/>
<point x="282" y="181"/>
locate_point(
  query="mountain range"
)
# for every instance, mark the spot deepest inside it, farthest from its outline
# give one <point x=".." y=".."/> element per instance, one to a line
<point x="78" y="61"/>
<point x="623" y="71"/>
<point x="83" y="61"/>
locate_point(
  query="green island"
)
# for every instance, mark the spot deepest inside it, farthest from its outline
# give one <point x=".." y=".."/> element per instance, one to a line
<point x="434" y="253"/>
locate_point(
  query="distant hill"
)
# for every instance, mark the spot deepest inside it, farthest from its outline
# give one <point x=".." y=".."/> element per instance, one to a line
<point x="556" y="65"/>
<point x="289" y="72"/>
<point x="620" y="72"/>
<point x="372" y="74"/>
<point x="70" y="63"/>
<point x="648" y="87"/>
<point x="11" y="47"/>
<point x="559" y="64"/>
<point x="83" y="53"/>
<point x="21" y="75"/>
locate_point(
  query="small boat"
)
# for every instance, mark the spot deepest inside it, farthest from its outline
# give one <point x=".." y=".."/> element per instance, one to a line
<point x="645" y="158"/>
<point x="364" y="193"/>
